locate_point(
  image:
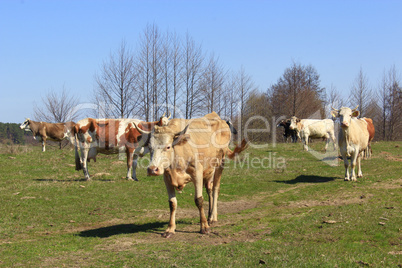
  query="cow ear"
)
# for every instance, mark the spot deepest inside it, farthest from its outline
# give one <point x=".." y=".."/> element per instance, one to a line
<point x="181" y="139"/>
<point x="355" y="113"/>
<point x="334" y="114"/>
<point x="181" y="136"/>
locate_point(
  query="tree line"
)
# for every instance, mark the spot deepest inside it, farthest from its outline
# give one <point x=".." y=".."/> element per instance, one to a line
<point x="169" y="73"/>
<point x="11" y="133"/>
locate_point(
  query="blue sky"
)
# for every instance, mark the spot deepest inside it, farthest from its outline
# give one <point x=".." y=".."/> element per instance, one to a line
<point x="45" y="45"/>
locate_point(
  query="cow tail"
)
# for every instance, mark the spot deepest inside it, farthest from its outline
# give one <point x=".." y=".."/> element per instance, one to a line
<point x="239" y="148"/>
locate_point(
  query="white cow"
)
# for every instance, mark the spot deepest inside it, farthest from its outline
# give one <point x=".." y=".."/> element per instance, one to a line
<point x="313" y="128"/>
<point x="353" y="139"/>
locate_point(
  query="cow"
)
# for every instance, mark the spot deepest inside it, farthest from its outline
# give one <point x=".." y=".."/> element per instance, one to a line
<point x="288" y="132"/>
<point x="191" y="151"/>
<point x="111" y="136"/>
<point x="371" y="130"/>
<point x="353" y="139"/>
<point x="313" y="128"/>
<point x="49" y="131"/>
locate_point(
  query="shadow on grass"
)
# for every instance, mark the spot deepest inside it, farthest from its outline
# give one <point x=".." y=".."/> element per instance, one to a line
<point x="308" y="179"/>
<point x="71" y="180"/>
<point x="108" y="231"/>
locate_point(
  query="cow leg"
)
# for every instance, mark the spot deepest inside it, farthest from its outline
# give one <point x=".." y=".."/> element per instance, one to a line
<point x="43" y="145"/>
<point x="368" y="150"/>
<point x="208" y="187"/>
<point x="138" y="152"/>
<point x="359" y="170"/>
<point x="129" y="155"/>
<point x="326" y="144"/>
<point x="346" y="164"/>
<point x="135" y="159"/>
<point x="84" y="162"/>
<point x="353" y="158"/>
<point x="305" y="143"/>
<point x="333" y="140"/>
<point x="213" y="215"/>
<point x="78" y="165"/>
<point x="170" y="231"/>
<point x="199" y="202"/>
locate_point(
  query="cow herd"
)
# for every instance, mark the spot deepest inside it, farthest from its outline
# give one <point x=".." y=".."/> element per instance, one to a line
<point x="354" y="138"/>
<point x="194" y="150"/>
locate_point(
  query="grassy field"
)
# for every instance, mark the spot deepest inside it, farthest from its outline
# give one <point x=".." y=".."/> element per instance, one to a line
<point x="279" y="207"/>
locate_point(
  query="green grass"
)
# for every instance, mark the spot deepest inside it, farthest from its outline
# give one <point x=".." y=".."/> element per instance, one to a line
<point x="292" y="210"/>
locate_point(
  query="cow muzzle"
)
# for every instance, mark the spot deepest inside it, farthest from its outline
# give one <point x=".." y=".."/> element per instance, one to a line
<point x="154" y="171"/>
<point x="345" y="124"/>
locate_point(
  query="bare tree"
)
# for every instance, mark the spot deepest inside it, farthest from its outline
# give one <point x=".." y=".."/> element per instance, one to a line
<point x="172" y="67"/>
<point x="360" y="93"/>
<point x="211" y="86"/>
<point x="58" y="107"/>
<point x="333" y="99"/>
<point x="193" y="59"/>
<point x="245" y="85"/>
<point x="392" y="105"/>
<point x="257" y="112"/>
<point x="231" y="97"/>
<point x="150" y="70"/>
<point x="297" y="92"/>
<point x="115" y="86"/>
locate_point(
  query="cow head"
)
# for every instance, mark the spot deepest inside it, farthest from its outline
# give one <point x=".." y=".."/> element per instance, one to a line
<point x="25" y="125"/>
<point x="345" y="115"/>
<point x="284" y="123"/>
<point x="161" y="143"/>
<point x="293" y="123"/>
<point x="281" y="124"/>
<point x="232" y="128"/>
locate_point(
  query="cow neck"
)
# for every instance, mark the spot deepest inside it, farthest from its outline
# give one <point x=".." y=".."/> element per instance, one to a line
<point x="346" y="135"/>
<point x="34" y="126"/>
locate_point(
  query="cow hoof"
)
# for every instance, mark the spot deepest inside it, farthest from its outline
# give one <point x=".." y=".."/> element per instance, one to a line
<point x="347" y="179"/>
<point x="204" y="231"/>
<point x="167" y="234"/>
<point x="132" y="179"/>
<point x="212" y="223"/>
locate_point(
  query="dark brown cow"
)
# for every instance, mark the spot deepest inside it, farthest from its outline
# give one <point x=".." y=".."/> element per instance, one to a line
<point x="111" y="136"/>
<point x="371" y="130"/>
<point x="288" y="132"/>
<point x="49" y="131"/>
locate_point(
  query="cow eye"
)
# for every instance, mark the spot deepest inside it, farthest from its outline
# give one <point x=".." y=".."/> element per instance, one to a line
<point x="168" y="147"/>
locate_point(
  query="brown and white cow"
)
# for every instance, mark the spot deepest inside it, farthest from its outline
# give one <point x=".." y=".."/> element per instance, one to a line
<point x="49" y="131"/>
<point x="371" y="130"/>
<point x="313" y="128"/>
<point x="353" y="139"/>
<point x="111" y="136"/>
<point x="191" y="151"/>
